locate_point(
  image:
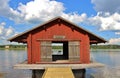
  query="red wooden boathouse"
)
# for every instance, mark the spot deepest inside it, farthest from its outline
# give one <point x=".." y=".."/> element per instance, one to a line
<point x="75" y="41"/>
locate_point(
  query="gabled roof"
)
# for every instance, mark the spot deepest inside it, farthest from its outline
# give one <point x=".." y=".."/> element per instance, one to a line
<point x="93" y="38"/>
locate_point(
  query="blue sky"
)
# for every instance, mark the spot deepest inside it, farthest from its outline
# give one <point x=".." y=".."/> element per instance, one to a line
<point x="97" y="16"/>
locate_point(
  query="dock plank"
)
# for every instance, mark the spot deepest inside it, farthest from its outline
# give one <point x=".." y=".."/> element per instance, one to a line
<point x="58" y="73"/>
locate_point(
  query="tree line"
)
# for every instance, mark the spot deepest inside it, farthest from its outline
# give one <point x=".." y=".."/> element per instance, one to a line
<point x="54" y="47"/>
<point x="105" y="46"/>
<point x="13" y="46"/>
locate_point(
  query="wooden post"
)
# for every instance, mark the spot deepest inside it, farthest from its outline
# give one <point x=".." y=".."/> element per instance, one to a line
<point x="29" y="48"/>
<point x="84" y="73"/>
<point x="79" y="73"/>
<point x="37" y="73"/>
<point x="33" y="74"/>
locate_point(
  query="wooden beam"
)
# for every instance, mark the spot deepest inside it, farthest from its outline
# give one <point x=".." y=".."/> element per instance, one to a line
<point x="43" y="66"/>
<point x="29" y="51"/>
<point x="93" y="41"/>
<point x="58" y="39"/>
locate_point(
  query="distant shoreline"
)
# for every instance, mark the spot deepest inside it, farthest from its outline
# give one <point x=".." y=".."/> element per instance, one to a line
<point x="24" y="47"/>
<point x="13" y="47"/>
<point x="105" y="46"/>
<point x="104" y="50"/>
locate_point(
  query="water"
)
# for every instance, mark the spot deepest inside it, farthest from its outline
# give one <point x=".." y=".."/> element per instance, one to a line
<point x="8" y="58"/>
<point x="111" y="59"/>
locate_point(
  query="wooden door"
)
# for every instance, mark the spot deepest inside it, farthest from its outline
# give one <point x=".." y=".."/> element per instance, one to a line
<point x="46" y="51"/>
<point x="74" y="51"/>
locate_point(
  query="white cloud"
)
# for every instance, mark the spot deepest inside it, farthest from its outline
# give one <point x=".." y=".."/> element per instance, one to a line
<point x="9" y="31"/>
<point x="108" y="17"/>
<point x="5" y="32"/>
<point x="1" y="28"/>
<point x="38" y="11"/>
<point x="114" y="41"/>
<point x="75" y="17"/>
<point x="110" y="6"/>
<point x="41" y="10"/>
<point x="106" y="22"/>
<point x="7" y="11"/>
<point x="117" y="33"/>
<point x="46" y="10"/>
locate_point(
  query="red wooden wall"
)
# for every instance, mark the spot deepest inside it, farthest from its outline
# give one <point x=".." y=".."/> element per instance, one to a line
<point x="47" y="33"/>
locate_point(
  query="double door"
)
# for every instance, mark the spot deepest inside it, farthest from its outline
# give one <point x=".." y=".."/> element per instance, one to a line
<point x="70" y="51"/>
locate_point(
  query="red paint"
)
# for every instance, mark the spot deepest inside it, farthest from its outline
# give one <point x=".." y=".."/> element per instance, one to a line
<point x="59" y="30"/>
<point x="29" y="49"/>
<point x="62" y="27"/>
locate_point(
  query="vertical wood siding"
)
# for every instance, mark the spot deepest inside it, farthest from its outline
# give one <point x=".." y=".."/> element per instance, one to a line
<point x="74" y="51"/>
<point x="46" y="51"/>
<point x="78" y="46"/>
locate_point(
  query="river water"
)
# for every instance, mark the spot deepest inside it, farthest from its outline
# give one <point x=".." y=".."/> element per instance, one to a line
<point x="111" y="59"/>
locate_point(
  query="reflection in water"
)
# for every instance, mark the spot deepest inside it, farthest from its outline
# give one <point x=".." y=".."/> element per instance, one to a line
<point x="111" y="61"/>
<point x="8" y="58"/>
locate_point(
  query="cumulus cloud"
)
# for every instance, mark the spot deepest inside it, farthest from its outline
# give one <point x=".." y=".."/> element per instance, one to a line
<point x="108" y="17"/>
<point x="110" y="6"/>
<point x="114" y="41"/>
<point x="106" y="22"/>
<point x="5" y="32"/>
<point x="38" y="11"/>
<point x="7" y="11"/>
<point x="41" y="10"/>
<point x="75" y="17"/>
<point x="33" y="11"/>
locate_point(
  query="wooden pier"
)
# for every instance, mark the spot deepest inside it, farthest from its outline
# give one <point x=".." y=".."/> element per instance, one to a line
<point x="40" y="71"/>
<point x="58" y="73"/>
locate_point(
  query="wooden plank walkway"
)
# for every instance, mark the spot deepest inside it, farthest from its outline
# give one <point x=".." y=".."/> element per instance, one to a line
<point x="58" y="73"/>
